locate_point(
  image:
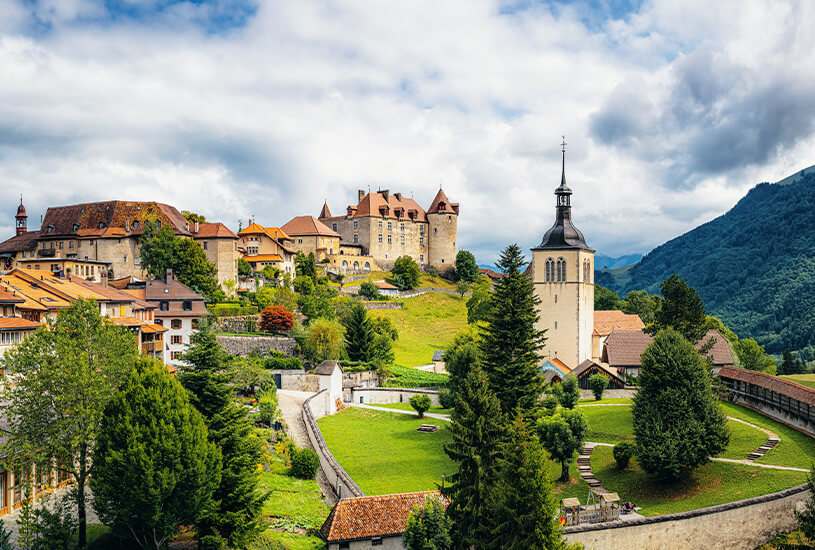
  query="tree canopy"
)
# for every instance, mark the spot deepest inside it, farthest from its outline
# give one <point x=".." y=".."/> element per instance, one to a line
<point x="466" y="268"/>
<point x="405" y="273"/>
<point x="681" y="308"/>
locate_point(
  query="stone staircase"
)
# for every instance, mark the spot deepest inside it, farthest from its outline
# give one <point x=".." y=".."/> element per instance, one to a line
<point x="584" y="468"/>
<point x="761" y="451"/>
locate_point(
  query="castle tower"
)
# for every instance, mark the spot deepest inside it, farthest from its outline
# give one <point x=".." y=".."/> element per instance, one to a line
<point x="22" y="219"/>
<point x="442" y="219"/>
<point x="563" y="277"/>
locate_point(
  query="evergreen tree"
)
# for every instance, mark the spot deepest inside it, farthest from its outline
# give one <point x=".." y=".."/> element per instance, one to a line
<point x="522" y="506"/>
<point x="155" y="468"/>
<point x="476" y="431"/>
<point x="236" y="516"/>
<point x="678" y="421"/>
<point x="681" y="309"/>
<point x="466" y="268"/>
<point x="787" y="364"/>
<point x="462" y="356"/>
<point x="359" y="334"/>
<point x="509" y="349"/>
<point x="478" y="306"/>
<point x="428" y="527"/>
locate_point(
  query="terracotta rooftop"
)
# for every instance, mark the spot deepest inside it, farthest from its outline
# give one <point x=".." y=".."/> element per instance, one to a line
<point x="307" y="226"/>
<point x="607" y="321"/>
<point x="491" y="273"/>
<point x="264" y="258"/>
<point x="17" y="323"/>
<point x="169" y="289"/>
<point x="325" y="212"/>
<point x="110" y="218"/>
<point x="26" y="241"/>
<point x="442" y="204"/>
<point x="623" y="348"/>
<point x="772" y="383"/>
<point x="10" y="297"/>
<point x="369" y="517"/>
<point x="384" y="286"/>
<point x="213" y="231"/>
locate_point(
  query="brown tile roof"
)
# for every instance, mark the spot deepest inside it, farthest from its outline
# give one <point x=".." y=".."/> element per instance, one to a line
<point x="491" y="274"/>
<point x="607" y="321"/>
<point x="122" y="283"/>
<point x="327" y="367"/>
<point x="384" y="286"/>
<point x="26" y="241"/>
<point x="376" y="516"/>
<point x="16" y="323"/>
<point x="623" y="348"/>
<point x="110" y="219"/>
<point x="155" y="291"/>
<point x="442" y="198"/>
<point x="773" y="383"/>
<point x="325" y="212"/>
<point x="10" y="297"/>
<point x="587" y="366"/>
<point x="308" y="225"/>
<point x="213" y="231"/>
<point x="385" y="204"/>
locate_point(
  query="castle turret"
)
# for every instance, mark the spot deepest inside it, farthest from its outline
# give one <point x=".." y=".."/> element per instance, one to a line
<point x="22" y="219"/>
<point x="442" y="219"/>
<point x="563" y="276"/>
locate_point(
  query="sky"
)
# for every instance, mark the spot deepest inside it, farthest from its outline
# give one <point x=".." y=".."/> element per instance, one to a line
<point x="672" y="110"/>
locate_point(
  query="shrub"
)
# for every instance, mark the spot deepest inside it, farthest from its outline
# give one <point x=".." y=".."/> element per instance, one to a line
<point x="231" y="310"/>
<point x="266" y="541"/>
<point x="623" y="452"/>
<point x="549" y="404"/>
<point x="283" y="363"/>
<point x="276" y="319"/>
<point x="212" y="542"/>
<point x="368" y="290"/>
<point x="569" y="392"/>
<point x="598" y="384"/>
<point x="420" y="403"/>
<point x="304" y="464"/>
<point x="446" y="398"/>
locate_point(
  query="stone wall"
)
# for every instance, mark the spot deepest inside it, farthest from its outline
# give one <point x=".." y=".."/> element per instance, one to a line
<point x="627" y="393"/>
<point x="745" y="524"/>
<point x="235" y="344"/>
<point x="391" y="395"/>
<point x="236" y="323"/>
<point x="314" y="408"/>
<point x="382" y="305"/>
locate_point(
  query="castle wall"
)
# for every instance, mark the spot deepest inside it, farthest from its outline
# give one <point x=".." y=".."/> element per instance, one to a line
<point x="407" y="237"/>
<point x="443" y="228"/>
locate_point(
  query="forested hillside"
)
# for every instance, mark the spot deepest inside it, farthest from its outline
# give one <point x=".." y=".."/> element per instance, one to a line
<point x="754" y="266"/>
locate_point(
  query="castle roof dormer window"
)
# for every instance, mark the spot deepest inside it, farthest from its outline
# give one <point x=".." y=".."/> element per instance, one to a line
<point x="75" y="227"/>
<point x="101" y="225"/>
<point x="49" y="229"/>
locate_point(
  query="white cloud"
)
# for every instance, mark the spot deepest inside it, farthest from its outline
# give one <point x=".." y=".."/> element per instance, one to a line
<point x="312" y="100"/>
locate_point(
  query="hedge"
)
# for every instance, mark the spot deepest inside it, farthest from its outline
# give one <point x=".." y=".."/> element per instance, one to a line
<point x="283" y="363"/>
<point x="231" y="310"/>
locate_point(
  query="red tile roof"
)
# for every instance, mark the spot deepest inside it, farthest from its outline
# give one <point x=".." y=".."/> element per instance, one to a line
<point x="607" y="321"/>
<point x="16" y="323"/>
<point x="385" y="204"/>
<point x="213" y="231"/>
<point x="109" y="219"/>
<point x="773" y="383"/>
<point x="491" y="274"/>
<point x="623" y="348"/>
<point x="385" y="286"/>
<point x="438" y="200"/>
<point x="10" y="297"/>
<point x="307" y="226"/>
<point x="369" y="517"/>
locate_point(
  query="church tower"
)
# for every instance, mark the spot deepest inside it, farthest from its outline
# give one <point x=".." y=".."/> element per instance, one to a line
<point x="563" y="277"/>
<point x="21" y="218"/>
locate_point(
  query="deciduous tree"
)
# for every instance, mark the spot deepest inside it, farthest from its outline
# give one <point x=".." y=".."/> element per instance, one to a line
<point x="65" y="376"/>
<point x="324" y="340"/>
<point x="466" y="268"/>
<point x="562" y="435"/>
<point x="405" y="273"/>
<point x="155" y="470"/>
<point x="678" y="421"/>
<point x="752" y="357"/>
<point x="605" y="299"/>
<point x="598" y="384"/>
<point x="276" y="319"/>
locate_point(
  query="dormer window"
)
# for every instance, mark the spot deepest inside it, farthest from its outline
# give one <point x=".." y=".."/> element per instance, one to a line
<point x="442" y="206"/>
<point x="135" y="225"/>
<point x="76" y="227"/>
<point x="50" y="229"/>
<point x="101" y="225"/>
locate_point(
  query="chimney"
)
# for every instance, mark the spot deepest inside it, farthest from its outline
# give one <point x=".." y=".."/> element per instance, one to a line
<point x="169" y="278"/>
<point x="103" y="277"/>
<point x="360" y="195"/>
<point x="196" y="226"/>
<point x="385" y="193"/>
<point x="398" y="196"/>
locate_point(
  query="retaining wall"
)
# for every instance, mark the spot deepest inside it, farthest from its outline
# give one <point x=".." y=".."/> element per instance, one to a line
<point x="235" y="344"/>
<point x="776" y="413"/>
<point x="383" y="305"/>
<point x="391" y="395"/>
<point x="236" y="323"/>
<point x="610" y="394"/>
<point x="746" y="524"/>
<point x="314" y="408"/>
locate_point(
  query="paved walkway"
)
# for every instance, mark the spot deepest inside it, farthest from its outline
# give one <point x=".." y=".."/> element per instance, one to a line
<point x="10" y="520"/>
<point x="291" y="406"/>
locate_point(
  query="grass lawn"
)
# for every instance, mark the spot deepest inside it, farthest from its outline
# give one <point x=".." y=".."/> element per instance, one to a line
<point x="409" y="377"/>
<point x="743" y="440"/>
<point x="575" y="488"/>
<point x="426" y="324"/>
<point x="293" y="542"/>
<point x="807" y="380"/>
<point x="795" y="449"/>
<point x="708" y="485"/>
<point x="609" y="424"/>
<point x="606" y="401"/>
<point x="407" y="407"/>
<point x="425" y="281"/>
<point x="383" y="452"/>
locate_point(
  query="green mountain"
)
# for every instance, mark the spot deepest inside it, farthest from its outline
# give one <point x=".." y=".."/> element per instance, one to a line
<point x="754" y="266"/>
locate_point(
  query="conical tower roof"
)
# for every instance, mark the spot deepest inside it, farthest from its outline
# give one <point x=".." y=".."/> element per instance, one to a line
<point x="440" y="198"/>
<point x="325" y="212"/>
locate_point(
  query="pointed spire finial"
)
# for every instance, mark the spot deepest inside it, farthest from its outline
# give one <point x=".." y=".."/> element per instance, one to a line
<point x="563" y="170"/>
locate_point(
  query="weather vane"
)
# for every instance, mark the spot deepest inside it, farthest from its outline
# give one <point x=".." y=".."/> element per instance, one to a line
<point x="563" y="145"/>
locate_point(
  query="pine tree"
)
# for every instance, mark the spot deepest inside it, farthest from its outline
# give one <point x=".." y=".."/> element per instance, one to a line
<point x="359" y="334"/>
<point x="523" y="508"/>
<point x="428" y="527"/>
<point x="476" y="433"/>
<point x="678" y="421"/>
<point x="236" y="517"/>
<point x="681" y="309"/>
<point x="509" y="349"/>
<point x="788" y="364"/>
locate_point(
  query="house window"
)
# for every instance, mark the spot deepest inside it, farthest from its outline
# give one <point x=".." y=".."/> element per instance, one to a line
<point x="205" y="245"/>
<point x="299" y="241"/>
<point x="356" y="238"/>
<point x="421" y="258"/>
<point x="390" y="238"/>
<point x="252" y="250"/>
<point x="176" y="339"/>
<point x="421" y="230"/>
<point x="401" y="227"/>
<point x="402" y="239"/>
<point x="23" y="253"/>
<point x="380" y="225"/>
<point x="390" y="226"/>
<point x="174" y="355"/>
<point x="421" y="241"/>
<point x="356" y="224"/>
<point x="60" y="245"/>
<point x="549" y="270"/>
<point x="71" y="244"/>
<point x="560" y="270"/>
<point x="379" y="238"/>
<point x="160" y="322"/>
<point x="376" y="542"/>
<point x="195" y="324"/>
<point x="175" y="324"/>
<point x="187" y="305"/>
<point x="334" y="226"/>
<point x="164" y="305"/>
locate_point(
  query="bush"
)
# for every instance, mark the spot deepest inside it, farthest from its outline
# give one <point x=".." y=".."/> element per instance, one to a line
<point x="623" y="452"/>
<point x="212" y="542"/>
<point x="266" y="541"/>
<point x="304" y="464"/>
<point x="283" y="363"/>
<point x="420" y="403"/>
<point x="569" y="392"/>
<point x="276" y="319"/>
<point x="598" y="384"/>
<point x="368" y="290"/>
<point x="446" y="398"/>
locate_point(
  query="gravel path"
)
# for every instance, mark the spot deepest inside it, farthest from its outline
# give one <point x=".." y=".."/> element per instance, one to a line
<point x="291" y="405"/>
<point x="10" y="520"/>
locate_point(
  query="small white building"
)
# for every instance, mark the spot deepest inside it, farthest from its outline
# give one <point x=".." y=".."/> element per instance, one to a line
<point x="363" y="522"/>
<point x="386" y="289"/>
<point x="330" y="375"/>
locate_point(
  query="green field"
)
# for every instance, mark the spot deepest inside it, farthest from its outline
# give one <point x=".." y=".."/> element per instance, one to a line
<point x="807" y="380"/>
<point x="407" y="407"/>
<point x="383" y="453"/>
<point x="425" y="281"/>
<point x="743" y="440"/>
<point x="409" y="377"/>
<point x="708" y="485"/>
<point x="426" y="324"/>
<point x="605" y="401"/>
<point x="298" y="501"/>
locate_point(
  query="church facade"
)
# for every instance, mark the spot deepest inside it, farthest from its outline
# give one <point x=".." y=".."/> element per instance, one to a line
<point x="563" y="277"/>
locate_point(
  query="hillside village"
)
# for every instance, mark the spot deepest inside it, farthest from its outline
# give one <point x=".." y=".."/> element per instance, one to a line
<point x="331" y="332"/>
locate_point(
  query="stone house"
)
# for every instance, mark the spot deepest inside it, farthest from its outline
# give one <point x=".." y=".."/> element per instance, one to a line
<point x="605" y="322"/>
<point x="363" y="522"/>
<point x="389" y="225"/>
<point x="13" y="328"/>
<point x="266" y="246"/>
<point x="220" y="245"/>
<point x="309" y="235"/>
